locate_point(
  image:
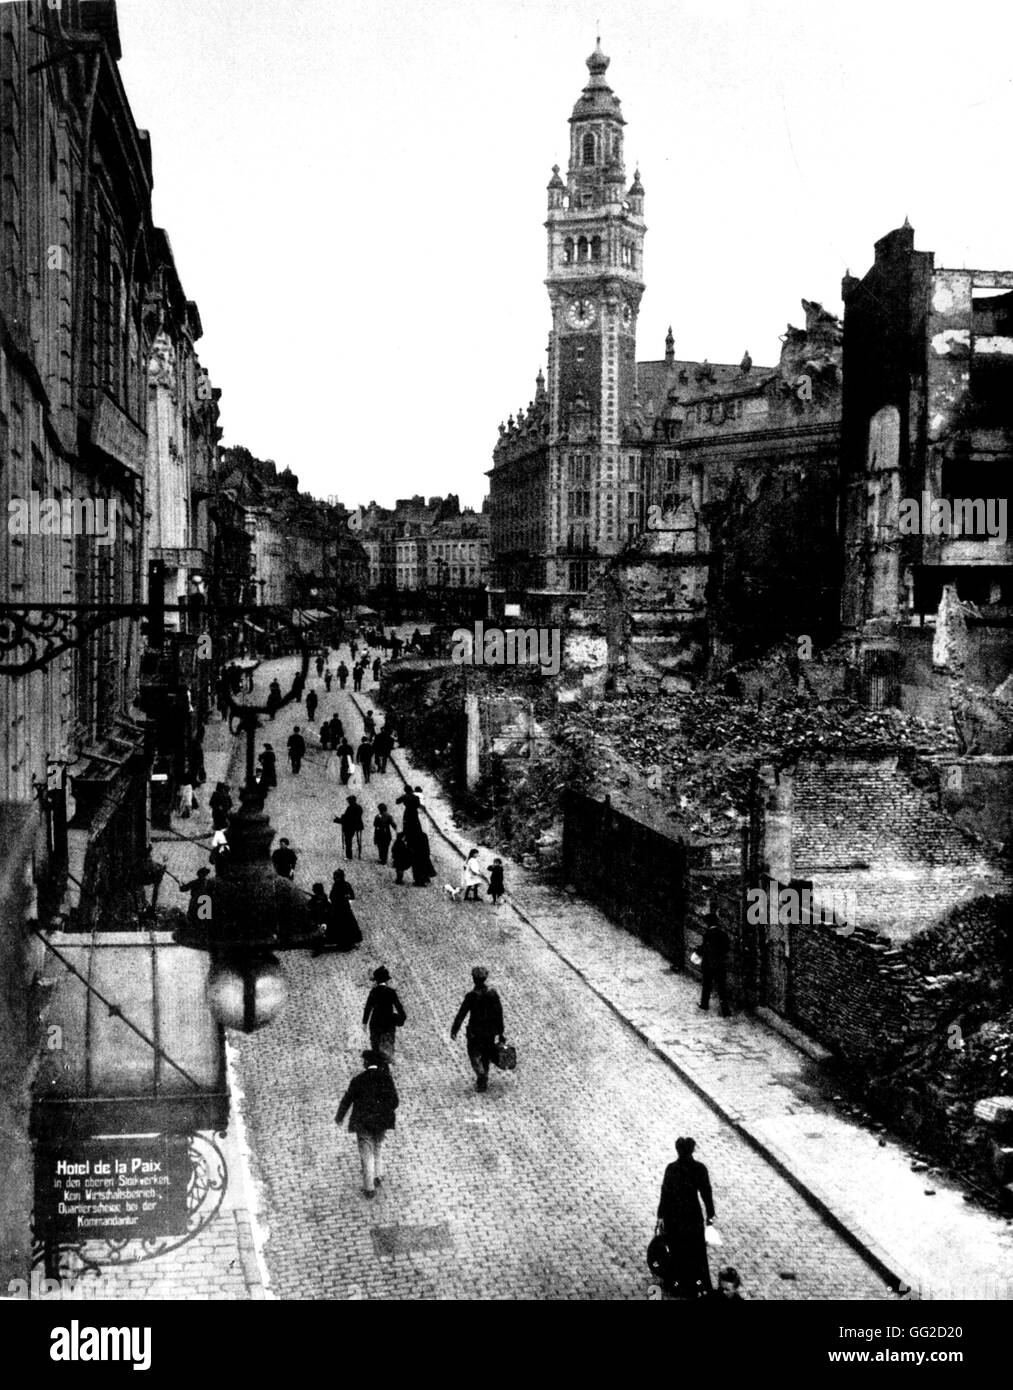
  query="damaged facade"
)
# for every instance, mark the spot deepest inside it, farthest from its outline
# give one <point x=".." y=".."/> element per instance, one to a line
<point x="928" y="414"/>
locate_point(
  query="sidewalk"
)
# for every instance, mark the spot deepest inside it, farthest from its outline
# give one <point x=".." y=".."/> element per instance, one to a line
<point x="915" y="1228"/>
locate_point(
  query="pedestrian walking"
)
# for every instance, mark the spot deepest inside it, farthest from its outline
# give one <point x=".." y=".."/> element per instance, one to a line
<point x="423" y="871"/>
<point x="345" y="754"/>
<point x="384" y="1014"/>
<point x="350" y="821"/>
<point x="219" y="847"/>
<point x="150" y="870"/>
<point x="185" y="801"/>
<point x="369" y="724"/>
<point x="364" y="757"/>
<point x="714" y="953"/>
<point x="377" y="664"/>
<point x="342" y="674"/>
<point x="410" y="824"/>
<point x="320" y="666"/>
<point x="269" y="766"/>
<point x="199" y="896"/>
<point x="496" y="885"/>
<point x="328" y="678"/>
<point x="312" y="701"/>
<point x="285" y="859"/>
<point x="400" y="857"/>
<point x="296" y="749"/>
<point x="221" y="804"/>
<point x="471" y="877"/>
<point x="195" y="758"/>
<point x="357" y="677"/>
<point x="353" y="647"/>
<point x="372" y="1099"/>
<point x="273" y="699"/>
<point x="384" y="830"/>
<point x="345" y="933"/>
<point x="681" y="1222"/>
<point x="484" y="1013"/>
<point x="382" y="746"/>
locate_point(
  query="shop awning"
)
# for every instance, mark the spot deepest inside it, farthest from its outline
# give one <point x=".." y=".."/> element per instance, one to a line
<point x="105" y="1079"/>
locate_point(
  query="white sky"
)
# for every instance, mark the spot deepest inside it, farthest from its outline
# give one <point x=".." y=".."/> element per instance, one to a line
<point x="355" y="193"/>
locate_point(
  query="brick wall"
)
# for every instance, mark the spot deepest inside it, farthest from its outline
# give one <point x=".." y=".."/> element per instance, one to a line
<point x="862" y="824"/>
<point x="859" y="996"/>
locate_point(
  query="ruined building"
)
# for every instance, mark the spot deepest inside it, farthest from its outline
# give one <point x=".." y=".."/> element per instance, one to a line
<point x="928" y="418"/>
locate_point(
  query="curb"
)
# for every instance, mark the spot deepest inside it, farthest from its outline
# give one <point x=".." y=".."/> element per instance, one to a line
<point x="891" y="1270"/>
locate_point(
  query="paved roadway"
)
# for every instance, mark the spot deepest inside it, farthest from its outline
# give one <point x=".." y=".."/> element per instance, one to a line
<point x="544" y="1187"/>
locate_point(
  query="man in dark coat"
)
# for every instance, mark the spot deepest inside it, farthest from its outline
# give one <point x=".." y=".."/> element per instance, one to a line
<point x="364" y="757"/>
<point x="311" y="705"/>
<point x="382" y="746"/>
<point x="686" y="1184"/>
<point x="350" y="821"/>
<point x="296" y="749"/>
<point x="714" y="952"/>
<point x="284" y="859"/>
<point x="384" y="1014"/>
<point x="372" y="1098"/>
<point x="377" y="664"/>
<point x="357" y="676"/>
<point x="342" y="674"/>
<point x="484" y="1012"/>
<point x="221" y="805"/>
<point x="273" y="698"/>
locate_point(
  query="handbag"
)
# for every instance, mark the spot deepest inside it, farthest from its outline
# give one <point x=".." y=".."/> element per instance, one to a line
<point x="659" y="1254"/>
<point x="505" y="1056"/>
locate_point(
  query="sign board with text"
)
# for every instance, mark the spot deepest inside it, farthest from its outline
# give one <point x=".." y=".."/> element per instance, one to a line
<point x="112" y="1189"/>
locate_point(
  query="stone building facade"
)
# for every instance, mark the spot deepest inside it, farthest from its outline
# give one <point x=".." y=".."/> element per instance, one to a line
<point x="76" y="261"/>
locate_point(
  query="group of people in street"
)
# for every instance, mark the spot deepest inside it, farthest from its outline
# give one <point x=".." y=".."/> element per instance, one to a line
<point x="371" y="1100"/>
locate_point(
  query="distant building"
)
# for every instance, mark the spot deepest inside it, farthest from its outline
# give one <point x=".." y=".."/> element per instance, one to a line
<point x="421" y="546"/>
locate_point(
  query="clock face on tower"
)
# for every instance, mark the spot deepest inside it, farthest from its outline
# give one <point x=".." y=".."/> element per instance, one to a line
<point x="581" y="313"/>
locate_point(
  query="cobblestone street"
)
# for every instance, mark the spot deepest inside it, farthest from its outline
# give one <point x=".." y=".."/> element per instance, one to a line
<point x="546" y="1186"/>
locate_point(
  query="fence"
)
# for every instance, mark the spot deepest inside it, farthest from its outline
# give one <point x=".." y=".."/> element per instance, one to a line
<point x="635" y="874"/>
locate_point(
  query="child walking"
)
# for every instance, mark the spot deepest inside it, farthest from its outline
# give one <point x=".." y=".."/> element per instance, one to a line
<point x="496" y="888"/>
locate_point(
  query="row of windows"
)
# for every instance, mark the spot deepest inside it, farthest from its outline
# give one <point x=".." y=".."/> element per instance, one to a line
<point x="585" y="250"/>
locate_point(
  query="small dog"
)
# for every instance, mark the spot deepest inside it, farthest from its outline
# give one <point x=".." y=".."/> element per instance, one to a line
<point x="452" y="892"/>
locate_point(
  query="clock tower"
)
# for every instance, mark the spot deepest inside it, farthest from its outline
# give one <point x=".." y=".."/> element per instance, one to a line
<point x="595" y="266"/>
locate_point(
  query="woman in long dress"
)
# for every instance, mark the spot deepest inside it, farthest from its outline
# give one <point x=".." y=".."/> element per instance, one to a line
<point x="686" y="1184"/>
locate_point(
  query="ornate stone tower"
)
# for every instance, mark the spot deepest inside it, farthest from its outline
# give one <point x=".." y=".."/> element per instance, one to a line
<point x="595" y="265"/>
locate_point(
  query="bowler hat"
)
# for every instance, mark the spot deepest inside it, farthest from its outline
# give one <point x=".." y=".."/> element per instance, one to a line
<point x="381" y="974"/>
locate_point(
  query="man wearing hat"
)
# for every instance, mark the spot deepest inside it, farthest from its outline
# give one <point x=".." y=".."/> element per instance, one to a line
<point x="372" y="1099"/>
<point x="384" y="1014"/>
<point x="714" y="951"/>
<point x="484" y="1012"/>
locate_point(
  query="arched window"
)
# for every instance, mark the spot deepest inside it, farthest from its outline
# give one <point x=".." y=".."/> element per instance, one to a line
<point x="582" y="249"/>
<point x="596" y="248"/>
<point x="568" y="251"/>
<point x="588" y="149"/>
